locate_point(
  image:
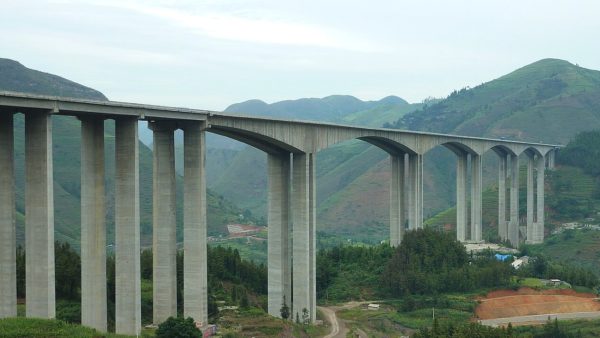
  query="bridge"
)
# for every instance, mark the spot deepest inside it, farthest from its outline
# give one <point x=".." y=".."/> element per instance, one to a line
<point x="291" y="147"/>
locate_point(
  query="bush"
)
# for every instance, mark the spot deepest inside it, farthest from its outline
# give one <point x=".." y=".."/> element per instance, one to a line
<point x="68" y="311"/>
<point x="178" y="328"/>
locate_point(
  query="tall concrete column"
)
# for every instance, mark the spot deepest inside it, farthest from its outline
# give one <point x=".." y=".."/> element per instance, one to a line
<point x="127" y="227"/>
<point x="538" y="231"/>
<point x="195" y="283"/>
<point x="530" y="208"/>
<point x="8" y="265"/>
<point x="397" y="207"/>
<point x="420" y="190"/>
<point x="279" y="258"/>
<point x="415" y="198"/>
<point x="461" y="197"/>
<point x="39" y="216"/>
<point x="502" y="226"/>
<point x="551" y="158"/>
<point x="513" y="225"/>
<point x="303" y="235"/>
<point x="164" y="244"/>
<point x="476" y="204"/>
<point x="93" y="225"/>
<point x="312" y="233"/>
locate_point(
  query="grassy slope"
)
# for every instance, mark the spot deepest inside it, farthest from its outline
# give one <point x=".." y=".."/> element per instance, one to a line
<point x="380" y="115"/>
<point x="34" y="328"/>
<point x="580" y="247"/>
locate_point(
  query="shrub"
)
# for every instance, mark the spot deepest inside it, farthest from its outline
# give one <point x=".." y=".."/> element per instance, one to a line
<point x="178" y="328"/>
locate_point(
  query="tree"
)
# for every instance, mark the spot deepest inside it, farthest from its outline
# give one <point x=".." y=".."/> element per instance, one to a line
<point x="67" y="271"/>
<point x="285" y="310"/>
<point x="305" y="316"/>
<point x="178" y="327"/>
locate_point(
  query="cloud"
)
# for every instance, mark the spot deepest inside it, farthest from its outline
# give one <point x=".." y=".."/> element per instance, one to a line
<point x="257" y="27"/>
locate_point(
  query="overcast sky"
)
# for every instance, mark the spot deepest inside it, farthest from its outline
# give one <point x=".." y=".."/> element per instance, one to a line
<point x="211" y="53"/>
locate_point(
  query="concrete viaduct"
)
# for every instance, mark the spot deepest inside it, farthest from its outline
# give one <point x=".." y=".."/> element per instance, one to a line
<point x="291" y="147"/>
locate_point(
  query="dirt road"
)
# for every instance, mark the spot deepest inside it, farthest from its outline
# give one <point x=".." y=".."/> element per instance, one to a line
<point x="338" y="326"/>
<point x="536" y="319"/>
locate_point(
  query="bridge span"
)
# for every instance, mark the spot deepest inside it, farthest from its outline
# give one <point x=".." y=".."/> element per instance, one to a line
<point x="291" y="147"/>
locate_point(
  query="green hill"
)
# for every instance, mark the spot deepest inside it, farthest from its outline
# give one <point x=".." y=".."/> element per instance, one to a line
<point x="549" y="100"/>
<point x="15" y="77"/>
<point x="332" y="108"/>
<point x="66" y="147"/>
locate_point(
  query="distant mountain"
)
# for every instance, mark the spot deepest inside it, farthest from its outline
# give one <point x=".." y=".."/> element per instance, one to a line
<point x="332" y="108"/>
<point x="18" y="78"/>
<point x="66" y="148"/>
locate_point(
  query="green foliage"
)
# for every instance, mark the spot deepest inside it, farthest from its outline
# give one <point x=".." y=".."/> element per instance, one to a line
<point x="178" y="328"/>
<point x="67" y="275"/>
<point x="582" y="152"/>
<point x="451" y="330"/>
<point x="351" y="272"/>
<point x="20" y="272"/>
<point x="68" y="311"/>
<point x="67" y="271"/>
<point x="225" y="264"/>
<point x="429" y="262"/>
<point x="285" y="310"/>
<point x="541" y="267"/>
<point x="43" y="328"/>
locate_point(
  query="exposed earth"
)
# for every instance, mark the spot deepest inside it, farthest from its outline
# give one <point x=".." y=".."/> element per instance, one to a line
<point x="529" y="302"/>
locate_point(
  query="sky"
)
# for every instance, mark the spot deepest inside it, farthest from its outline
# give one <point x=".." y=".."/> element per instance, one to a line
<point x="208" y="54"/>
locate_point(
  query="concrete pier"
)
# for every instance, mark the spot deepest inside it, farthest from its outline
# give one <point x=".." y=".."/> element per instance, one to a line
<point x="538" y="231"/>
<point x="502" y="172"/>
<point x="419" y="159"/>
<point x="513" y="225"/>
<point x="312" y="233"/>
<point x="530" y="192"/>
<point x="551" y="159"/>
<point x="397" y="206"/>
<point x="93" y="225"/>
<point x="8" y="265"/>
<point x="476" y="228"/>
<point x="302" y="276"/>
<point x="195" y="283"/>
<point x="415" y="194"/>
<point x="127" y="228"/>
<point x="164" y="246"/>
<point x="461" y="196"/>
<point x="279" y="258"/>
<point x="39" y="216"/>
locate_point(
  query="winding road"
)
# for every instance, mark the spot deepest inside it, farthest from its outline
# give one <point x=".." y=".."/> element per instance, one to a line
<point x="338" y="326"/>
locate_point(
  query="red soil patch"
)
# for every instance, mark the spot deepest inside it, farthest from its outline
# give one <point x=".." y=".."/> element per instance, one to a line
<point x="525" y="301"/>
